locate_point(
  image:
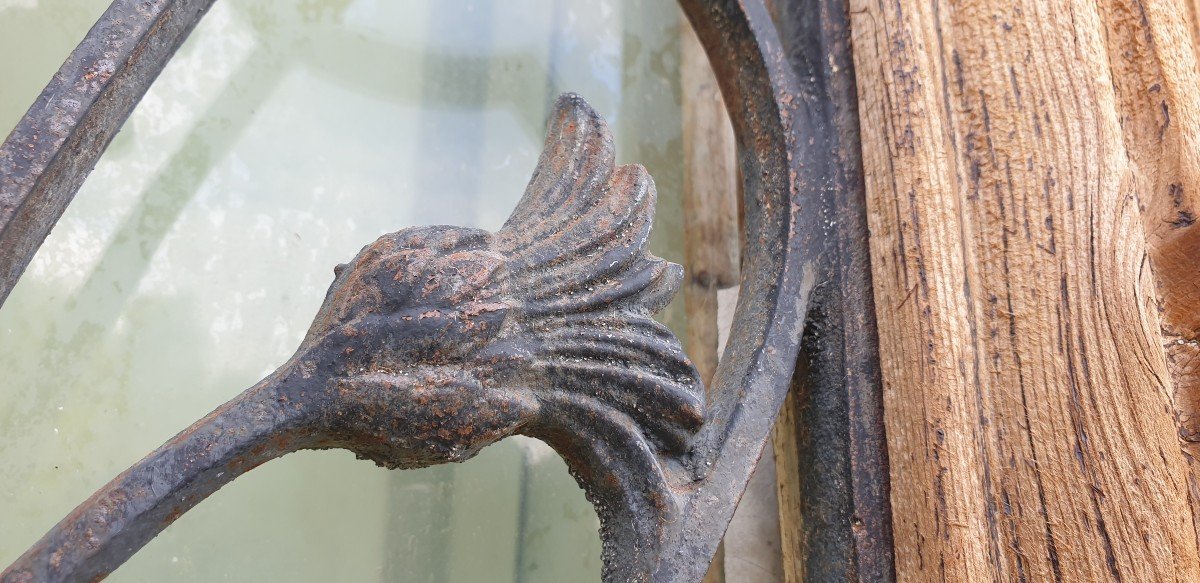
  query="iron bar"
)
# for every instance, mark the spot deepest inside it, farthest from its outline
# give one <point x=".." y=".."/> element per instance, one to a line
<point x="46" y="158"/>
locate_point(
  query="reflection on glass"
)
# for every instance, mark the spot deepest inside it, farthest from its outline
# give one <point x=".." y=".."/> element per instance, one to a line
<point x="282" y="138"/>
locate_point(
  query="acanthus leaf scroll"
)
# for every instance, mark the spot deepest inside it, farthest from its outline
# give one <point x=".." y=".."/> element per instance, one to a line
<point x="434" y="342"/>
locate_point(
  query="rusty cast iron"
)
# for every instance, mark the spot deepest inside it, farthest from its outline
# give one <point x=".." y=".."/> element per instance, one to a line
<point x="437" y="341"/>
<point x="844" y="486"/>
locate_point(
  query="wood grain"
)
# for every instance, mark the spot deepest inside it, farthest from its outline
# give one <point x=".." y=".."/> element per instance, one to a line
<point x="1029" y="404"/>
<point x="787" y="490"/>
<point x="710" y="182"/>
<point x="1150" y="48"/>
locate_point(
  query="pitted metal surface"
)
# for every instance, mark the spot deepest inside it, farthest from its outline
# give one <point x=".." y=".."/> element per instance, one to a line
<point x="437" y="341"/>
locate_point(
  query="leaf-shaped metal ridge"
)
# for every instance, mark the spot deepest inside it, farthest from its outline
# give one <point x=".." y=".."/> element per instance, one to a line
<point x="435" y="342"/>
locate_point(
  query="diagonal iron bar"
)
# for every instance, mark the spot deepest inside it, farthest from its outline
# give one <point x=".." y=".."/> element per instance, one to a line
<point x="45" y="159"/>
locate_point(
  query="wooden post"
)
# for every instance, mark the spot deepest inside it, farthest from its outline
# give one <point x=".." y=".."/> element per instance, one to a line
<point x="1150" y="51"/>
<point x="1028" y="165"/>
<point x="784" y="438"/>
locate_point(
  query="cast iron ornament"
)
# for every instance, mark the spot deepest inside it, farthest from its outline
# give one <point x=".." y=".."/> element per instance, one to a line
<point x="793" y="108"/>
<point x="435" y="342"/>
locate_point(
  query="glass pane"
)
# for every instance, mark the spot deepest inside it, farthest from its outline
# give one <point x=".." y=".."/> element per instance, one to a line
<point x="281" y="139"/>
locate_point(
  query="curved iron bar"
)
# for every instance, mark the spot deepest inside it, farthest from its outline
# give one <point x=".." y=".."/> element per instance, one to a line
<point x="787" y="168"/>
<point x="665" y="494"/>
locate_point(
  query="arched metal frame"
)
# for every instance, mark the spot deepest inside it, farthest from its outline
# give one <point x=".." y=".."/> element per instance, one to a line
<point x="796" y="130"/>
